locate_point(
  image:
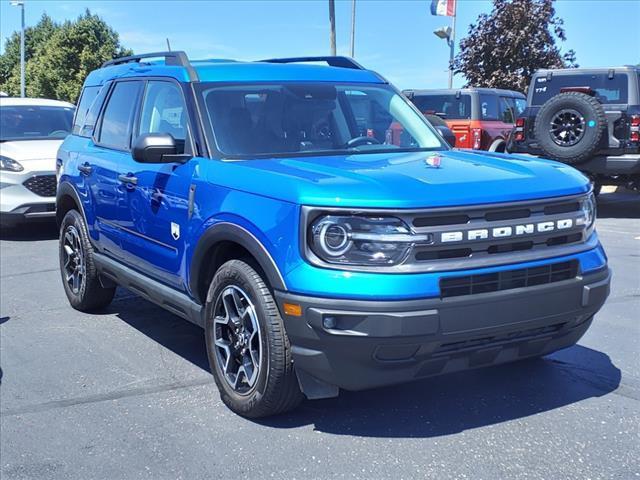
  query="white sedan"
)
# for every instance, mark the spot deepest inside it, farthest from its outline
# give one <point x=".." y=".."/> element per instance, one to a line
<point x="31" y="130"/>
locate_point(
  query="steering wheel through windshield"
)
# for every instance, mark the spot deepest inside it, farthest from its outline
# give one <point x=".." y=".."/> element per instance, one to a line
<point x="358" y="141"/>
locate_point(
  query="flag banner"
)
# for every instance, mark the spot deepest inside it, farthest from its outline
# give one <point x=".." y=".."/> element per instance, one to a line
<point x="446" y="8"/>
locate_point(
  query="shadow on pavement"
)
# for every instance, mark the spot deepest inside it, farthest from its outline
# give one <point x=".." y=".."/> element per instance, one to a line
<point x="625" y="204"/>
<point x="427" y="408"/>
<point x="29" y="232"/>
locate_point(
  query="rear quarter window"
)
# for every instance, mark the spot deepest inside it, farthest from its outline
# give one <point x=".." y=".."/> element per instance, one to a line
<point x="607" y="90"/>
<point x="452" y="107"/>
<point x="86" y="99"/>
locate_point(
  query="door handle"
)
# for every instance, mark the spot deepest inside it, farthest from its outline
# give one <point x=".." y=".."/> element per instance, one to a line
<point x="128" y="179"/>
<point x="85" y="168"/>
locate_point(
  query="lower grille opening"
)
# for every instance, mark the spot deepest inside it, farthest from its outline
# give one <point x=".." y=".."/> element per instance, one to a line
<point x="42" y="185"/>
<point x="507" y="280"/>
<point x="497" y="339"/>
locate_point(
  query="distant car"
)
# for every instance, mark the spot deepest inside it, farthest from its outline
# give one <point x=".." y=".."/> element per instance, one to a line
<point x="588" y="118"/>
<point x="480" y="118"/>
<point x="31" y="130"/>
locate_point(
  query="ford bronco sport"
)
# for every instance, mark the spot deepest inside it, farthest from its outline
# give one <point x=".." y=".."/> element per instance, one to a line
<point x="588" y="118"/>
<point x="269" y="203"/>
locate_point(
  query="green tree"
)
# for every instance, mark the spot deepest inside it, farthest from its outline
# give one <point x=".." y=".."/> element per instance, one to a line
<point x="59" y="63"/>
<point x="34" y="38"/>
<point x="504" y="48"/>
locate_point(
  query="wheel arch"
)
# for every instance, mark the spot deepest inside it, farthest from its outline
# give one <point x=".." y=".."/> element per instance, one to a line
<point x="67" y="199"/>
<point x="497" y="144"/>
<point x="224" y="241"/>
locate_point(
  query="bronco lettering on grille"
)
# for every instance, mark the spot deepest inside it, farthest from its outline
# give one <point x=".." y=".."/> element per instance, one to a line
<point x="507" y="231"/>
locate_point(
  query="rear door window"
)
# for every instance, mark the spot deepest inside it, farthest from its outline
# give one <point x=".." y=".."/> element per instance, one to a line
<point x="521" y="105"/>
<point x="507" y="107"/>
<point x="489" y="107"/>
<point x="607" y="90"/>
<point x="452" y="107"/>
<point x="115" y="131"/>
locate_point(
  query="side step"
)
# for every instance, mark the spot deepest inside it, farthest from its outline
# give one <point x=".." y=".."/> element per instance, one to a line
<point x="166" y="297"/>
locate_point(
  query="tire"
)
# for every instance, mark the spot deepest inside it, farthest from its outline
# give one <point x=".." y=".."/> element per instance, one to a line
<point x="580" y="124"/>
<point x="238" y="292"/>
<point x="76" y="253"/>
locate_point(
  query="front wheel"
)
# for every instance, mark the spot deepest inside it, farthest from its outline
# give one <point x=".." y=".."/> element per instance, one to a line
<point x="248" y="348"/>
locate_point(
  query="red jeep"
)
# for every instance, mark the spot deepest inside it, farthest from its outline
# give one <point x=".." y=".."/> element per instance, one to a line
<point x="480" y="118"/>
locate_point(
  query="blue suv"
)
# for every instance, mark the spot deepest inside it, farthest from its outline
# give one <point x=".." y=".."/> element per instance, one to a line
<point x="317" y="227"/>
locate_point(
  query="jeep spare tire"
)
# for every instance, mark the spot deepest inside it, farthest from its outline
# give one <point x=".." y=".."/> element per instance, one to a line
<point x="569" y="127"/>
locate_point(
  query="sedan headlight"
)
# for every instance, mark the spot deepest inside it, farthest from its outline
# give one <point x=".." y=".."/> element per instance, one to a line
<point x="10" y="165"/>
<point x="362" y="240"/>
<point x="588" y="209"/>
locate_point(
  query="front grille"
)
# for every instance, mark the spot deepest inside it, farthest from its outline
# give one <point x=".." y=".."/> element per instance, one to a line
<point x="42" y="185"/>
<point x="483" y="220"/>
<point x="507" y="280"/>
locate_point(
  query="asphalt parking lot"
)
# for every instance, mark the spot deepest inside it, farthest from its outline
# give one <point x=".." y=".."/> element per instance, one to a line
<point x="127" y="394"/>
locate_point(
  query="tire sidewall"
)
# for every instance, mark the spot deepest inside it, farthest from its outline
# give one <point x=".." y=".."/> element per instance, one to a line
<point x="595" y="123"/>
<point x="225" y="277"/>
<point x="73" y="218"/>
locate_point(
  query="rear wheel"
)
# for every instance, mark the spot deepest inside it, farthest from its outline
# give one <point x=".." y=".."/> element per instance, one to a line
<point x="79" y="274"/>
<point x="248" y="348"/>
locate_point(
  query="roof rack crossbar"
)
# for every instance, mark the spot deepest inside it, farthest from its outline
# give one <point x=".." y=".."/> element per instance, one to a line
<point x="332" y="61"/>
<point x="176" y="58"/>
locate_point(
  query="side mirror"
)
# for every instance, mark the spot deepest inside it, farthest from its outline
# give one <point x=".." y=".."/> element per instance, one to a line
<point x="156" y="148"/>
<point x="447" y="134"/>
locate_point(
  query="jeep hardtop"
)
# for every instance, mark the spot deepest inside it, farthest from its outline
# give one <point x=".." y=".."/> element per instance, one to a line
<point x="317" y="227"/>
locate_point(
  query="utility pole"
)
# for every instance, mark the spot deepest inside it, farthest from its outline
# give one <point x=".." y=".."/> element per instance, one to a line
<point x="353" y="27"/>
<point x="20" y="3"/>
<point x="332" y="26"/>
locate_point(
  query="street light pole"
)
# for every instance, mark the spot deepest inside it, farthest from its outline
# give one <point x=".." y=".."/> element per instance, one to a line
<point x="353" y="27"/>
<point x="20" y="4"/>
<point x="452" y="43"/>
<point x="332" y="27"/>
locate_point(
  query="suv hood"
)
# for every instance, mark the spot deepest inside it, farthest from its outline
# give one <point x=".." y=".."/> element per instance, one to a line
<point x="404" y="180"/>
<point x="22" y="150"/>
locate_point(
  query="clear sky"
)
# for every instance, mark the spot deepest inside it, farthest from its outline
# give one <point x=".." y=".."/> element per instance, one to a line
<point x="392" y="37"/>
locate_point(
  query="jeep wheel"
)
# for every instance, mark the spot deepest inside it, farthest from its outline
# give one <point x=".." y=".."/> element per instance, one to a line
<point x="570" y="126"/>
<point x="79" y="275"/>
<point x="248" y="348"/>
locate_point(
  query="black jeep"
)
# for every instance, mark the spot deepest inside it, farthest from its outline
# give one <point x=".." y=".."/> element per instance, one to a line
<point x="588" y="118"/>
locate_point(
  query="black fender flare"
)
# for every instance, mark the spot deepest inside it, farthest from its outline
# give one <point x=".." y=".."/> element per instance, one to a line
<point x="66" y="189"/>
<point x="231" y="232"/>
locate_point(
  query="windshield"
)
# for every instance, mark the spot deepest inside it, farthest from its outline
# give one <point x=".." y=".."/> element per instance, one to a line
<point x="27" y="122"/>
<point x="314" y="119"/>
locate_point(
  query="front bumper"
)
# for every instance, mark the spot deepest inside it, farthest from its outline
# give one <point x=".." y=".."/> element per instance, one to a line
<point x="18" y="203"/>
<point x="367" y="344"/>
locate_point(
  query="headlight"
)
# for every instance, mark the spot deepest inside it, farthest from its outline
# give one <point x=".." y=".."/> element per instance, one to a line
<point x="588" y="209"/>
<point x="10" y="165"/>
<point x="361" y="240"/>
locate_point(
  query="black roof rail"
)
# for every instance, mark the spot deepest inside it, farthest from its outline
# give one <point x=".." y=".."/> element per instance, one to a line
<point x="332" y="61"/>
<point x="176" y="58"/>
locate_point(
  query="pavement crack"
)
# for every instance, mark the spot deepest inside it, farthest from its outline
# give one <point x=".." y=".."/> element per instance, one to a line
<point x="22" y="274"/>
<point x="103" y="397"/>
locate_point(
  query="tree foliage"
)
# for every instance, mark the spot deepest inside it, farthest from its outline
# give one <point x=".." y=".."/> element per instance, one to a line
<point x="504" y="48"/>
<point x="58" y="56"/>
